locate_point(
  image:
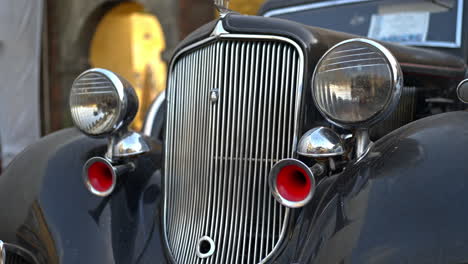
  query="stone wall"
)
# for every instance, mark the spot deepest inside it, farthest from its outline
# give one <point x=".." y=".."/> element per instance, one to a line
<point x="70" y="25"/>
<point x="69" y="28"/>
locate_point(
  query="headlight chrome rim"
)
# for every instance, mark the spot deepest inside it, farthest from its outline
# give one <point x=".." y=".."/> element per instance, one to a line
<point x="392" y="101"/>
<point x="460" y="90"/>
<point x="127" y="102"/>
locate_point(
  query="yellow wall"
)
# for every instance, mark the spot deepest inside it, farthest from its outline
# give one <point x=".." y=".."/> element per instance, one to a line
<point x="129" y="41"/>
<point x="246" y="7"/>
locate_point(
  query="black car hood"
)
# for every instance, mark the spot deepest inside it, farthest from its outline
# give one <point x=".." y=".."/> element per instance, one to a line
<point x="316" y="41"/>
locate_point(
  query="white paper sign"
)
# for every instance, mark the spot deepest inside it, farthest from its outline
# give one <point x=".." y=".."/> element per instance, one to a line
<point x="400" y="27"/>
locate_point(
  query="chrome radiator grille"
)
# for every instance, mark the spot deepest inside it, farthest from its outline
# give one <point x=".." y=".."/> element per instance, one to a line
<point x="232" y="114"/>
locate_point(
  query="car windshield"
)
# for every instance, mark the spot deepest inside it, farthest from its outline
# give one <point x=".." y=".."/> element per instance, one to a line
<point x="435" y="23"/>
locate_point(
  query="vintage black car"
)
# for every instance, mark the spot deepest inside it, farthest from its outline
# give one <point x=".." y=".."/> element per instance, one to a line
<point x="275" y="142"/>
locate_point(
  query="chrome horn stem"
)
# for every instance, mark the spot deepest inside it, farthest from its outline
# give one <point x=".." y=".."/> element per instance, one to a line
<point x="363" y="142"/>
<point x="2" y="253"/>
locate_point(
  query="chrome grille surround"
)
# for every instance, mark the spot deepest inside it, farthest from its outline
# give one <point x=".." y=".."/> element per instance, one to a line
<point x="212" y="166"/>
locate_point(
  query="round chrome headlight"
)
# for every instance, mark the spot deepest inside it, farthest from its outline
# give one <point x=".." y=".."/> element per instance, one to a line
<point x="357" y="83"/>
<point x="101" y="102"/>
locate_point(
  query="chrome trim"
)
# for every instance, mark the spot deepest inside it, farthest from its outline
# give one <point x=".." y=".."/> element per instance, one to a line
<point x="299" y="8"/>
<point x="127" y="97"/>
<point x="274" y="175"/>
<point x="115" y="80"/>
<point x="463" y="84"/>
<point x="151" y="116"/>
<point x="222" y="6"/>
<point x="219" y="30"/>
<point x="397" y="84"/>
<point x="126" y="145"/>
<point x="435" y="44"/>
<point x="214" y="95"/>
<point x="363" y="142"/>
<point x="321" y="142"/>
<point x="122" y="142"/>
<point x="2" y="253"/>
<point x="365" y="153"/>
<point x="214" y="128"/>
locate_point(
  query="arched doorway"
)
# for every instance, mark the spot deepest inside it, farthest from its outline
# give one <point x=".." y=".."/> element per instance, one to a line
<point x="130" y="42"/>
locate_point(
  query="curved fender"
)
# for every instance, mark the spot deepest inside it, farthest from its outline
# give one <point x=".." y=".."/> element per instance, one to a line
<point x="405" y="202"/>
<point x="47" y="209"/>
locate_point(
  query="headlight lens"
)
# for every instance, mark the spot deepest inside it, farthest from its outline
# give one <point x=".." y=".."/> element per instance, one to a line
<point x="95" y="102"/>
<point x="357" y="83"/>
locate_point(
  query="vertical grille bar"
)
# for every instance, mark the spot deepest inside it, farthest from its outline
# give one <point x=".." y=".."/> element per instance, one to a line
<point x="248" y="152"/>
<point x="252" y="153"/>
<point x="264" y="169"/>
<point x="234" y="151"/>
<point x="245" y="124"/>
<point x="270" y="58"/>
<point x="219" y="151"/>
<point x="219" y="82"/>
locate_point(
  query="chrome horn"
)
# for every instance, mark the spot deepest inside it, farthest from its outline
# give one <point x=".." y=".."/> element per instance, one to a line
<point x="292" y="183"/>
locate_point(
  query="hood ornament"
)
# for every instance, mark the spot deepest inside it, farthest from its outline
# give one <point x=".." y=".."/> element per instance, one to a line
<point x="222" y="6"/>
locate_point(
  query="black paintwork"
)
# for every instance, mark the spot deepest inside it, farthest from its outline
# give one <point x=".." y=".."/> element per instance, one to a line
<point x="47" y="210"/>
<point x="157" y="129"/>
<point x="315" y="41"/>
<point x="402" y="203"/>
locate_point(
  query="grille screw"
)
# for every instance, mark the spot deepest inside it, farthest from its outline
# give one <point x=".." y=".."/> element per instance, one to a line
<point x="214" y="95"/>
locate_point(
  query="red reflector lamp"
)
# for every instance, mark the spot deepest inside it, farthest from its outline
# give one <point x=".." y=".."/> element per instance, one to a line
<point x="100" y="176"/>
<point x="292" y="183"/>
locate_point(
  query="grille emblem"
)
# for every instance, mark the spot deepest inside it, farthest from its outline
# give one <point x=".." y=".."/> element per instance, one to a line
<point x="214" y="95"/>
<point x="205" y="247"/>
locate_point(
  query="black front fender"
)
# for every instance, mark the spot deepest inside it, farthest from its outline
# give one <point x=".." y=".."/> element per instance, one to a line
<point x="405" y="202"/>
<point x="47" y="209"/>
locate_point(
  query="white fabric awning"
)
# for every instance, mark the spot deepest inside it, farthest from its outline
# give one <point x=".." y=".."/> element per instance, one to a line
<point x="20" y="41"/>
